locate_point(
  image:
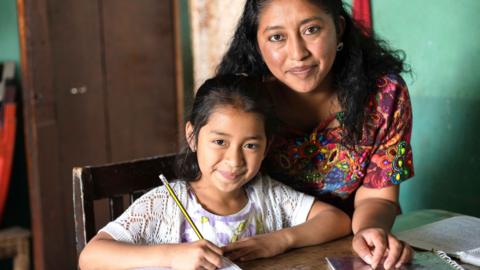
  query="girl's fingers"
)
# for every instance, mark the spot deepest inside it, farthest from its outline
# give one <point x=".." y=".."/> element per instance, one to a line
<point x="214" y="248"/>
<point x="205" y="264"/>
<point x="212" y="257"/>
<point x="407" y="255"/>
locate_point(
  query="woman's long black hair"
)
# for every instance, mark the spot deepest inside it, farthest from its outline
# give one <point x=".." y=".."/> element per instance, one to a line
<point x="240" y="91"/>
<point x="363" y="60"/>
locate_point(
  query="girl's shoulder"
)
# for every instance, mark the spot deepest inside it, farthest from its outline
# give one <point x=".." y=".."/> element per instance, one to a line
<point x="265" y="184"/>
<point x="178" y="186"/>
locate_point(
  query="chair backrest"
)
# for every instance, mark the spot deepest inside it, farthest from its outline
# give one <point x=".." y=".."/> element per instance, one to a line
<point x="113" y="182"/>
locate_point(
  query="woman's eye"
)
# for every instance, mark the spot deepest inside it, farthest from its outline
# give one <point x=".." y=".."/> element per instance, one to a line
<point x="311" y="30"/>
<point x="276" y="38"/>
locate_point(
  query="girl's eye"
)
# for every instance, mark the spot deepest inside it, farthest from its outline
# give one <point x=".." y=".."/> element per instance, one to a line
<point x="276" y="38"/>
<point x="219" y="142"/>
<point x="252" y="146"/>
<point x="311" y="30"/>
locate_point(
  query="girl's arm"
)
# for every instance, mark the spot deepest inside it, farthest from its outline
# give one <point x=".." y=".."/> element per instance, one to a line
<point x="324" y="223"/>
<point x="103" y="252"/>
<point x="374" y="215"/>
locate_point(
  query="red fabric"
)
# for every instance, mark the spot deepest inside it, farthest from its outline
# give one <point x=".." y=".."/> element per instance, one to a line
<point x="7" y="140"/>
<point x="362" y="13"/>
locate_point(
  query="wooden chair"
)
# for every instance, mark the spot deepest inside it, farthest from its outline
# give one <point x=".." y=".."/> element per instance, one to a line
<point x="113" y="182"/>
<point x="15" y="243"/>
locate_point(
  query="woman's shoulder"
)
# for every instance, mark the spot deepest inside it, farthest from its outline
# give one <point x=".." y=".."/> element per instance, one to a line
<point x="391" y="95"/>
<point x="391" y="85"/>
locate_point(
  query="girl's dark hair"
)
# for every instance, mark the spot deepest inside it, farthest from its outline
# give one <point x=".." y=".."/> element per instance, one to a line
<point x="242" y="92"/>
<point x="363" y="60"/>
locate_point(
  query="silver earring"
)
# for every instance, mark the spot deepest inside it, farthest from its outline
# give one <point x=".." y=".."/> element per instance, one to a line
<point x="340" y="46"/>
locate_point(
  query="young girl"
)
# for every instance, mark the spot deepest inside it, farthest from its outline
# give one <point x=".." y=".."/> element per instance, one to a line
<point x="241" y="213"/>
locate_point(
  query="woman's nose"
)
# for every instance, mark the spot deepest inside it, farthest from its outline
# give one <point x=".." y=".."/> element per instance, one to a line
<point x="297" y="49"/>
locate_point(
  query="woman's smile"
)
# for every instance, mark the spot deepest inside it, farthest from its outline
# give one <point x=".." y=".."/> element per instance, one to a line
<point x="302" y="71"/>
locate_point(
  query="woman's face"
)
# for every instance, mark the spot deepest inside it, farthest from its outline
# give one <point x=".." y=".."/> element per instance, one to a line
<point x="297" y="40"/>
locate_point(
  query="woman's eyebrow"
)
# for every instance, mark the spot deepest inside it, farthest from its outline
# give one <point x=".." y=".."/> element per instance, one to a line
<point x="314" y="18"/>
<point x="307" y="20"/>
<point x="270" y="28"/>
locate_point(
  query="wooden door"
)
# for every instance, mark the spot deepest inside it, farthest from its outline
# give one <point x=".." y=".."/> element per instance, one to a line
<point x="100" y="85"/>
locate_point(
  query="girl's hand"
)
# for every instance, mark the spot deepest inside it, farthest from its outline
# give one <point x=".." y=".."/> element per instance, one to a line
<point x="259" y="246"/>
<point x="201" y="254"/>
<point x="373" y="244"/>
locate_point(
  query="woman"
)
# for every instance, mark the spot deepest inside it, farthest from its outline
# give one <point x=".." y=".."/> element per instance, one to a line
<point x="345" y="113"/>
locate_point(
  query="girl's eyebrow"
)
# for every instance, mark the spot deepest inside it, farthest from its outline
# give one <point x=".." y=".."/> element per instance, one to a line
<point x="220" y="133"/>
<point x="307" y="20"/>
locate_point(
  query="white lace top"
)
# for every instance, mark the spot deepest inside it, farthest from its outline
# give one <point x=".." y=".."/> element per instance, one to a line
<point x="154" y="218"/>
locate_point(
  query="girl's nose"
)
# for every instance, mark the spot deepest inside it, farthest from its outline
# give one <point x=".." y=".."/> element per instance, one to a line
<point x="297" y="48"/>
<point x="235" y="157"/>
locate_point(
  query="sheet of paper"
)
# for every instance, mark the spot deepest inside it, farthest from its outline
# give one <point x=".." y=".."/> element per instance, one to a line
<point x="227" y="265"/>
<point x="451" y="235"/>
<point x="421" y="260"/>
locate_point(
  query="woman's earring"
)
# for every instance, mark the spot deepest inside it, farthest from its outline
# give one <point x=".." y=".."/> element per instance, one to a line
<point x="340" y="46"/>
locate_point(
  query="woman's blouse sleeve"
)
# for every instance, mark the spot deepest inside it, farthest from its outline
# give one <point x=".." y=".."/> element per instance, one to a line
<point x="390" y="123"/>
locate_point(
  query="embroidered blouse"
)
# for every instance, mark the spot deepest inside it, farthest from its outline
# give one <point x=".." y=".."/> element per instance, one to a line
<point x="317" y="163"/>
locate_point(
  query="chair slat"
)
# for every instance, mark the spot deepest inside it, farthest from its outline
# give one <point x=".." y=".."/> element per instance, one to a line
<point x="116" y="206"/>
<point x="113" y="182"/>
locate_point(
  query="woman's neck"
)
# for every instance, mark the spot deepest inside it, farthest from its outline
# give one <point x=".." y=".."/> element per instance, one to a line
<point x="218" y="202"/>
<point x="305" y="111"/>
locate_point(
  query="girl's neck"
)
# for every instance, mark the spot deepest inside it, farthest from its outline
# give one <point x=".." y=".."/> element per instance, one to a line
<point x="218" y="202"/>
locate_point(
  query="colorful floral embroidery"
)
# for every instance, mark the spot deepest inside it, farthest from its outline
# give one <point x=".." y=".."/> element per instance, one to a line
<point x="318" y="163"/>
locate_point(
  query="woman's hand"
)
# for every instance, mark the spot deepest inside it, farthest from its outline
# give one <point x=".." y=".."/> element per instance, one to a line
<point x="201" y="254"/>
<point x="374" y="244"/>
<point x="259" y="246"/>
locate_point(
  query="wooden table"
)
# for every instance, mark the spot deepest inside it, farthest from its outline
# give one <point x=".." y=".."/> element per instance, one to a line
<point x="313" y="258"/>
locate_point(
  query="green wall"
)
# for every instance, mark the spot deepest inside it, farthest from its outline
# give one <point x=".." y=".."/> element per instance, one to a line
<point x="9" y="47"/>
<point x="441" y="39"/>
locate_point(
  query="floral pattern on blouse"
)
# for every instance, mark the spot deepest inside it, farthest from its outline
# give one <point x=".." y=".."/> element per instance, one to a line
<point x="319" y="164"/>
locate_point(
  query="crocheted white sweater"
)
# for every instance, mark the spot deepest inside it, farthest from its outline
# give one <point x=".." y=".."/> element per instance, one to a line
<point x="154" y="218"/>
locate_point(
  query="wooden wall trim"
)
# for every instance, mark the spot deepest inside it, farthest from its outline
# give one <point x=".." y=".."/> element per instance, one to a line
<point x="26" y="37"/>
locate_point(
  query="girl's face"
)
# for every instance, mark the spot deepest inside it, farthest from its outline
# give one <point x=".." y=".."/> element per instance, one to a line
<point x="230" y="148"/>
<point x="297" y="40"/>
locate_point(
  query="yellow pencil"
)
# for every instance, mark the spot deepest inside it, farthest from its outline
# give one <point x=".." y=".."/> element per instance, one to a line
<point x="180" y="205"/>
<point x="227" y="263"/>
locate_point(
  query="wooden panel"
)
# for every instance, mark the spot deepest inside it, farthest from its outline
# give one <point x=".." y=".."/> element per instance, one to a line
<point x="39" y="116"/>
<point x="78" y="84"/>
<point x="60" y="51"/>
<point x="140" y="72"/>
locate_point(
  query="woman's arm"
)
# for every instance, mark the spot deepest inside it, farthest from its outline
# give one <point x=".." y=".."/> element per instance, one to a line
<point x="324" y="223"/>
<point x="103" y="252"/>
<point x="374" y="215"/>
